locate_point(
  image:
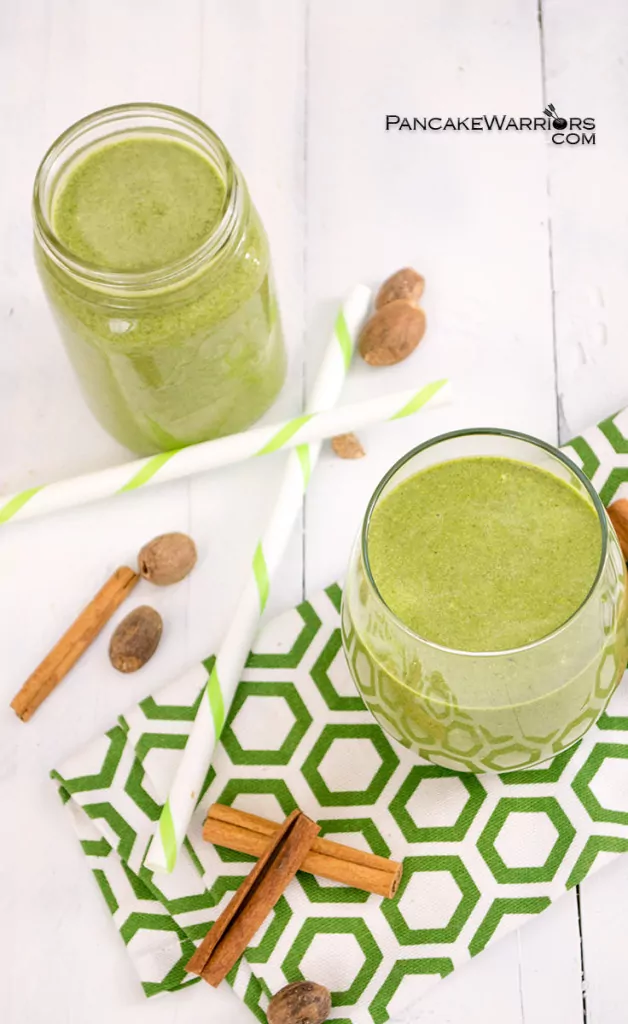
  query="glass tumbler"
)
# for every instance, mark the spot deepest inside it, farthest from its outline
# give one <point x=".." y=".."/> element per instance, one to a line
<point x="487" y="711"/>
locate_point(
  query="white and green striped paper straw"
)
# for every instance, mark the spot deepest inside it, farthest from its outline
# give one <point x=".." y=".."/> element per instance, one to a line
<point x="225" y="675"/>
<point x="225" y="451"/>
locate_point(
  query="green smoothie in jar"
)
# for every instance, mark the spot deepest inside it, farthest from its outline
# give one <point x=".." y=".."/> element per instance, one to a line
<point x="157" y="270"/>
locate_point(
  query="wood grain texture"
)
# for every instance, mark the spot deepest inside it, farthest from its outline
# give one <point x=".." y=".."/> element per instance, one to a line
<point x="299" y="89"/>
<point x="587" y="74"/>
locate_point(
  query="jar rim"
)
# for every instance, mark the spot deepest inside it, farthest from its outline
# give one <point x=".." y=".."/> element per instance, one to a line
<point x="485" y="431"/>
<point x="173" y="272"/>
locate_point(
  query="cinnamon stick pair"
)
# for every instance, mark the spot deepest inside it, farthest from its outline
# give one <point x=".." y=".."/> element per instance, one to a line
<point x="248" y="833"/>
<point x="230" y="935"/>
<point x="282" y="851"/>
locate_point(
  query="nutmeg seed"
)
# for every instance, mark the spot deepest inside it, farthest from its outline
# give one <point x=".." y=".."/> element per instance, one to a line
<point x="302" y="1002"/>
<point x="135" y="639"/>
<point x="167" y="559"/>
<point x="406" y="285"/>
<point x="618" y="515"/>
<point x="392" y="333"/>
<point x="347" y="446"/>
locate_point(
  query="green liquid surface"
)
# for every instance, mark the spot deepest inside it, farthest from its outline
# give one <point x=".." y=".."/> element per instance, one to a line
<point x="138" y="203"/>
<point x="485" y="553"/>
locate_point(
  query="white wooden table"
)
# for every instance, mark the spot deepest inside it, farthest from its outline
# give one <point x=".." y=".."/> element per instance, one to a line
<point x="524" y="247"/>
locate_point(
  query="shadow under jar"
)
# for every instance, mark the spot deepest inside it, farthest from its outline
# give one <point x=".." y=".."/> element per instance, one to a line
<point x="156" y="267"/>
<point x="484" y="613"/>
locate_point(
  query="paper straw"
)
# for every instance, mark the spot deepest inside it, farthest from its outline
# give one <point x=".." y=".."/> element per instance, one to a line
<point x="233" y="652"/>
<point x="225" y="451"/>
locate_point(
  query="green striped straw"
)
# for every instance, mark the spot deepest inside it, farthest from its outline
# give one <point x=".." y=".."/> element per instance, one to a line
<point x="225" y="451"/>
<point x="230" y="660"/>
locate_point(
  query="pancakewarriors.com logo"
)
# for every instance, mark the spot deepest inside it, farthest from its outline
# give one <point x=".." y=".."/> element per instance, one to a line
<point x="572" y="131"/>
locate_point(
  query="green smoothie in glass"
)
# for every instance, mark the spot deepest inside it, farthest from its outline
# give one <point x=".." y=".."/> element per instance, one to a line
<point x="484" y="616"/>
<point x="156" y="266"/>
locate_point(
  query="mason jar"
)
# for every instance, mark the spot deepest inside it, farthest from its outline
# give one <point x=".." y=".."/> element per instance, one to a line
<point x="483" y="711"/>
<point x="186" y="349"/>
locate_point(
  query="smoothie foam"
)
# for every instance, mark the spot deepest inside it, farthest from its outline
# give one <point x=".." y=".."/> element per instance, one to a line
<point x="484" y="554"/>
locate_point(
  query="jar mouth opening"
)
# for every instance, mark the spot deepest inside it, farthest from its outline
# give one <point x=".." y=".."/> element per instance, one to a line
<point x="130" y="119"/>
<point x="485" y="431"/>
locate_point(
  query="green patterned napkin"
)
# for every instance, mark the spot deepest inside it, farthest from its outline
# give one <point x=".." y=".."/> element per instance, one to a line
<point x="481" y="853"/>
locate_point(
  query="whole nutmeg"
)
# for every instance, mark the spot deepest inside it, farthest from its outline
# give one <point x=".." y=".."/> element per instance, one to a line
<point x="167" y="559"/>
<point x="135" y="639"/>
<point x="302" y="1002"/>
<point x="406" y="285"/>
<point x="347" y="446"/>
<point x="392" y="333"/>
<point x="618" y="515"/>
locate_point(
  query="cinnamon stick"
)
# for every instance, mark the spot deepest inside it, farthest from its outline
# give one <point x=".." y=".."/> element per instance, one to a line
<point x="226" y="941"/>
<point x="73" y="643"/>
<point x="248" y="833"/>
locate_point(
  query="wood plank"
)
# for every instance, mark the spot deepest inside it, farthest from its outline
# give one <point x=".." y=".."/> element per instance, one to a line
<point x="526" y="977"/>
<point x="604" y="907"/>
<point x="77" y="68"/>
<point x="586" y="60"/>
<point x="470" y="212"/>
<point x="549" y="953"/>
<point x="252" y="93"/>
<point x="68" y="58"/>
<point x="587" y="75"/>
<point x="78" y="57"/>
